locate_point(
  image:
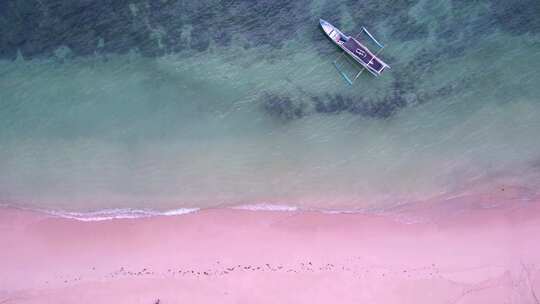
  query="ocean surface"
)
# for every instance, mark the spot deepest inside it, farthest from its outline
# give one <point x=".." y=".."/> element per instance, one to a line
<point x="179" y="105"/>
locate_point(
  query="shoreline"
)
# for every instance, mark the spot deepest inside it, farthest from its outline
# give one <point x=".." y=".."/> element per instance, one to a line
<point x="241" y="256"/>
<point x="495" y="197"/>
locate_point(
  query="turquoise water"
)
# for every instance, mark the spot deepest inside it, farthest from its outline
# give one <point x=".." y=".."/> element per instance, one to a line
<point x="168" y="104"/>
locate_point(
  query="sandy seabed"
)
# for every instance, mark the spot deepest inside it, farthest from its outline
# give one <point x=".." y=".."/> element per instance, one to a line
<point x="241" y="256"/>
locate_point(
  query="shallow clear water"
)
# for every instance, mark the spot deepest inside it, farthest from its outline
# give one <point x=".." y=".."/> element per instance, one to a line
<point x="169" y="104"/>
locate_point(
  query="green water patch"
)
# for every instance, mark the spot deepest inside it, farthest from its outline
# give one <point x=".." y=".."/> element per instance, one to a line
<point x="261" y="116"/>
<point x="222" y="128"/>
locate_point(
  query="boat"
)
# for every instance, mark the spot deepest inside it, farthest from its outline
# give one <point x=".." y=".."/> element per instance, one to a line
<point x="356" y="50"/>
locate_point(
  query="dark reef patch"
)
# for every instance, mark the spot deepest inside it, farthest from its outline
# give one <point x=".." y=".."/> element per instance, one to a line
<point x="381" y="109"/>
<point x="153" y="27"/>
<point x="333" y="104"/>
<point x="518" y="16"/>
<point x="372" y="108"/>
<point x="409" y="29"/>
<point x="283" y="107"/>
<point x="395" y="13"/>
<point x="401" y="93"/>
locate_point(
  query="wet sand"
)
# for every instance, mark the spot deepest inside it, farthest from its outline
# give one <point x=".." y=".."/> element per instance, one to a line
<point x="240" y="256"/>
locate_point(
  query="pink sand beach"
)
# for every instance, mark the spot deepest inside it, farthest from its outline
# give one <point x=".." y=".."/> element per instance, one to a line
<point x="239" y="256"/>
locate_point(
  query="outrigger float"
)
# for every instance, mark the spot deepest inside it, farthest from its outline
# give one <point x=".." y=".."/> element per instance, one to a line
<point x="356" y="51"/>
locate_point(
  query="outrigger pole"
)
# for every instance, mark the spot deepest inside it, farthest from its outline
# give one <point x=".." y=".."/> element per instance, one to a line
<point x="373" y="38"/>
<point x="342" y="73"/>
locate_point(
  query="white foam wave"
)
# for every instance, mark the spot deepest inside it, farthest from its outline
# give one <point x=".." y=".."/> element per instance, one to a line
<point x="110" y="214"/>
<point x="131" y="213"/>
<point x="266" y="207"/>
<point x="397" y="212"/>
